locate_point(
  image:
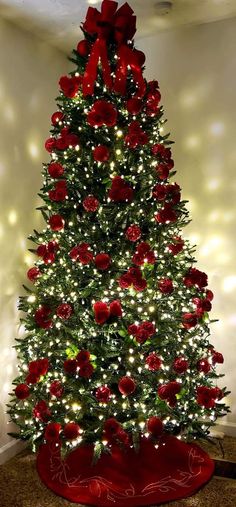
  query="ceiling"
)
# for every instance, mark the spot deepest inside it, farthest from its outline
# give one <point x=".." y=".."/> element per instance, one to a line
<point x="58" y="21"/>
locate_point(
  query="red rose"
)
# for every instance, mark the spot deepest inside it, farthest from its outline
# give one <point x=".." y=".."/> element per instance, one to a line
<point x="52" y="432"/>
<point x="180" y="365"/>
<point x="209" y="295"/>
<point x="126" y="385"/>
<point x="47" y="252"/>
<point x="70" y="366"/>
<point x="42" y="317"/>
<point x="71" y="431"/>
<point x="22" y="391"/>
<point x="166" y="286"/>
<point x="195" y="277"/>
<point x="56" y="222"/>
<point x="102" y="261"/>
<point x="41" y="411"/>
<point x="55" y="170"/>
<point x="153" y="362"/>
<point x="102" y="113"/>
<point x="33" y="274"/>
<point x="81" y="253"/>
<point x="101" y="312"/>
<point x="155" y="426"/>
<point x="101" y="153"/>
<point x="64" y="311"/>
<point x="136" y="136"/>
<point x="204" y="397"/>
<point x="159" y="192"/>
<point x="166" y="214"/>
<point x="70" y="85"/>
<point x="103" y="394"/>
<point x="189" y="320"/>
<point x="120" y="190"/>
<point x="153" y="85"/>
<point x="133" y="233"/>
<point x="83" y="357"/>
<point x="56" y="389"/>
<point x="217" y="393"/>
<point x="217" y="357"/>
<point x="59" y="193"/>
<point x="177" y="245"/>
<point x="39" y="367"/>
<point x="50" y="144"/>
<point x="86" y="370"/>
<point x="143" y="254"/>
<point x="140" y="284"/>
<point x="111" y="427"/>
<point x="83" y="48"/>
<point x="56" y="117"/>
<point x="125" y="281"/>
<point x="90" y="203"/>
<point x="160" y="151"/>
<point x="168" y="392"/>
<point x="132" y="329"/>
<point x="115" y="308"/>
<point x="162" y="171"/>
<point x="203" y="365"/>
<point x="134" y="105"/>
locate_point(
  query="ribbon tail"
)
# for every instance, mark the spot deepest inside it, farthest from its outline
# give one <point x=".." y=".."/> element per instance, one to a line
<point x="99" y="52"/>
<point x="139" y="79"/>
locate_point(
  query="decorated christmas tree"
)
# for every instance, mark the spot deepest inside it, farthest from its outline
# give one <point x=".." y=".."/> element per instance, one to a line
<point x="116" y="314"/>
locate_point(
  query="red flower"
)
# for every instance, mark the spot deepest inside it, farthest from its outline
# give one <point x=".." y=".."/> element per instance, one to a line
<point x="39" y="367"/>
<point x="126" y="386"/>
<point x="177" y="245"/>
<point x="166" y="286"/>
<point x="102" y="261"/>
<point x="48" y="251"/>
<point x="155" y="426"/>
<point x="115" y="308"/>
<point x="132" y="329"/>
<point x="168" y="392"/>
<point x="56" y="389"/>
<point x="217" y="357"/>
<point x="111" y="427"/>
<point x="203" y="305"/>
<point x="56" y="117"/>
<point x="136" y="136"/>
<point x="206" y="396"/>
<point x="22" y="391"/>
<point x="70" y="366"/>
<point x="217" y="393"/>
<point x="180" y="365"/>
<point x="134" y="105"/>
<point x="86" y="370"/>
<point x="33" y="274"/>
<point x="160" y="151"/>
<point x="42" y="317"/>
<point x="132" y="277"/>
<point x="83" y="357"/>
<point x="203" y="365"/>
<point x="142" y="331"/>
<point x="101" y="153"/>
<point x="83" y="48"/>
<point x="59" y="192"/>
<point x="101" y="312"/>
<point x="70" y="85"/>
<point x="81" y="253"/>
<point x="71" y="431"/>
<point x="195" y="277"/>
<point x="162" y="171"/>
<point x="143" y="254"/>
<point x="153" y="85"/>
<point x="120" y="190"/>
<point x="189" y="320"/>
<point x="56" y="222"/>
<point x="55" y="170"/>
<point x="153" y="362"/>
<point x="90" y="203"/>
<point x="166" y="214"/>
<point x="102" y="113"/>
<point x="41" y="411"/>
<point x="133" y="233"/>
<point x="103" y="394"/>
<point x="159" y="192"/>
<point x="50" y="144"/>
<point x="52" y="432"/>
<point x="174" y="193"/>
<point x="209" y="295"/>
<point x="64" y="311"/>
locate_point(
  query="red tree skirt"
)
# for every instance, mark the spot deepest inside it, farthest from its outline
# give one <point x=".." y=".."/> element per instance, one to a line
<point x="153" y="476"/>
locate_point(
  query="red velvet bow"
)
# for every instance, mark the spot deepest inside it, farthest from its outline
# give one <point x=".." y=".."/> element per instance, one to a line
<point x="118" y="26"/>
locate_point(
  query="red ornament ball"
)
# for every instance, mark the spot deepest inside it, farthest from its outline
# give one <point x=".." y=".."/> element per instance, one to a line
<point x="180" y="365"/>
<point x="56" y="389"/>
<point x="166" y="286"/>
<point x="52" y="432"/>
<point x="64" y="311"/>
<point x="55" y="170"/>
<point x="83" y="48"/>
<point x="133" y="233"/>
<point x="126" y="386"/>
<point x="103" y="394"/>
<point x="56" y="222"/>
<point x="155" y="426"/>
<point x="153" y="362"/>
<point x="56" y="117"/>
<point x="111" y="427"/>
<point x="50" y="144"/>
<point x="101" y="153"/>
<point x="102" y="261"/>
<point x="203" y="365"/>
<point x="33" y="274"/>
<point x="90" y="203"/>
<point x="71" y="431"/>
<point x="22" y="391"/>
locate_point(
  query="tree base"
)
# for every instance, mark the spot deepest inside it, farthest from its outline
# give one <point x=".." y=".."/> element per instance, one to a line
<point x="125" y="478"/>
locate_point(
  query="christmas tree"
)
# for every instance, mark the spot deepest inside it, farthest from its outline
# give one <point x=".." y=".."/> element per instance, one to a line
<point x="117" y="315"/>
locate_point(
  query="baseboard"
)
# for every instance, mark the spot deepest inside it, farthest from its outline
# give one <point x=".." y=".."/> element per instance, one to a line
<point x="10" y="449"/>
<point x="227" y="428"/>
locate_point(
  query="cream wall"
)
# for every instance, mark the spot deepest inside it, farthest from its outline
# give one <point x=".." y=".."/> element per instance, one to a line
<point x="196" y="69"/>
<point x="29" y="72"/>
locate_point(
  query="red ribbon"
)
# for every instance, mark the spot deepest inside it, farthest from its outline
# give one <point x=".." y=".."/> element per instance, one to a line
<point x="98" y="53"/>
<point x="127" y="58"/>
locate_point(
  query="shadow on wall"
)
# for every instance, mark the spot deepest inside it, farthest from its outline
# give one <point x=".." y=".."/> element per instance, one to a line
<point x="30" y="70"/>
